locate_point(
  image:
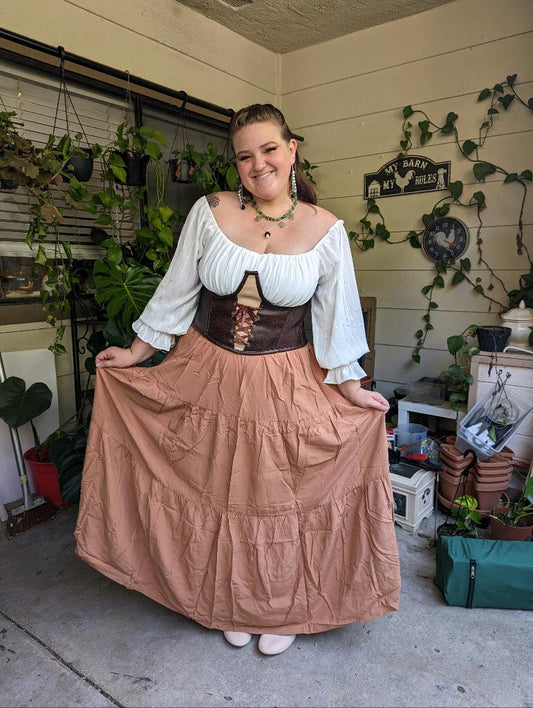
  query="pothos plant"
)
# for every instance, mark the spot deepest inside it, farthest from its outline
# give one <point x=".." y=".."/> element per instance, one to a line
<point x="373" y="225"/>
<point x="134" y="259"/>
<point x="211" y="170"/>
<point x="45" y="175"/>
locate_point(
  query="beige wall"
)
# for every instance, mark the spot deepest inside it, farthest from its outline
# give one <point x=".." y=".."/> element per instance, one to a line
<point x="158" y="40"/>
<point x="345" y="97"/>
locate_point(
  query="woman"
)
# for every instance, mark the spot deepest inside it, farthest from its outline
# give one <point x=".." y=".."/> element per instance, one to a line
<point x="238" y="483"/>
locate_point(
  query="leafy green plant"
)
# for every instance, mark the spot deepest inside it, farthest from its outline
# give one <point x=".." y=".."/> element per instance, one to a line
<point x="19" y="405"/>
<point x="520" y="511"/>
<point x="458" y="375"/>
<point x="307" y="168"/>
<point x="499" y="99"/>
<point x="211" y="170"/>
<point x="466" y="515"/>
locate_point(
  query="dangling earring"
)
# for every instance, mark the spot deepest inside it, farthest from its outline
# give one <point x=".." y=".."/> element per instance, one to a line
<point x="240" y="194"/>
<point x="294" y="188"/>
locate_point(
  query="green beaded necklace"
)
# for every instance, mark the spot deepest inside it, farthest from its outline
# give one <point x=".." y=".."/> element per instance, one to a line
<point x="278" y="219"/>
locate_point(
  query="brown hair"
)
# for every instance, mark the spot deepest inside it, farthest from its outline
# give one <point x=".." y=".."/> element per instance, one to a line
<point x="261" y="113"/>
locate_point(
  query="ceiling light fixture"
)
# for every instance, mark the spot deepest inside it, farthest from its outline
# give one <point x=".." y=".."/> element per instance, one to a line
<point x="236" y="4"/>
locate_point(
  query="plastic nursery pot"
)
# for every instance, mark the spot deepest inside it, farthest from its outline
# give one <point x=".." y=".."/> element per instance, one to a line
<point x="179" y="170"/>
<point x="46" y="479"/>
<point x="493" y="338"/>
<point x="82" y="166"/>
<point x="7" y="183"/>
<point x="135" y="168"/>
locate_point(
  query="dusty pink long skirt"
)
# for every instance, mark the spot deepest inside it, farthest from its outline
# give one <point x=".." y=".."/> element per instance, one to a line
<point x="240" y="491"/>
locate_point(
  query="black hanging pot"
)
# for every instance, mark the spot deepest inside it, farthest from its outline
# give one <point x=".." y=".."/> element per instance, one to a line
<point x="7" y="183"/>
<point x="80" y="166"/>
<point x="493" y="338"/>
<point x="136" y="165"/>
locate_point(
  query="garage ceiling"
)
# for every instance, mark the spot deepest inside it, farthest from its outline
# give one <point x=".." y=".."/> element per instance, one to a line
<point x="285" y="25"/>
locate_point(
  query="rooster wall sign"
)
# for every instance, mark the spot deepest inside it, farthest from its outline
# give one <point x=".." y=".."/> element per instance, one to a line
<point x="407" y="175"/>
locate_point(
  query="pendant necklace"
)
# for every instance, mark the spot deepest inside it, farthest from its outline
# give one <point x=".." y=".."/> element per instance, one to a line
<point x="279" y="220"/>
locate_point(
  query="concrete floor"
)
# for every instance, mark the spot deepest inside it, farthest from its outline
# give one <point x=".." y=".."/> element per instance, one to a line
<point x="70" y="637"/>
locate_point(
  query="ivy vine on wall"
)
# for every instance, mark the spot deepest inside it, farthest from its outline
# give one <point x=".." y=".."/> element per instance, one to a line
<point x="453" y="272"/>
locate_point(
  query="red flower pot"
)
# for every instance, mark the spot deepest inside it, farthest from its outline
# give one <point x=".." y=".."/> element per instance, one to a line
<point x="46" y="479"/>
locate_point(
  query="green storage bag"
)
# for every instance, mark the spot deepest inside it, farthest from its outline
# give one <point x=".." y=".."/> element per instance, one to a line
<point x="476" y="572"/>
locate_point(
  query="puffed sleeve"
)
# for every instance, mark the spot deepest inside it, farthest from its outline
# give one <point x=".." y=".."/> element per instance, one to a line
<point x="338" y="328"/>
<point x="173" y="305"/>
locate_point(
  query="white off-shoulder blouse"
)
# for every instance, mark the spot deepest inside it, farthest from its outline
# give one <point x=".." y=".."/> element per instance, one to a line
<point x="206" y="256"/>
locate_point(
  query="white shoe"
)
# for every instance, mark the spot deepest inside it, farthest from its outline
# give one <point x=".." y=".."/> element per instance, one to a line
<point x="237" y="639"/>
<point x="275" y="643"/>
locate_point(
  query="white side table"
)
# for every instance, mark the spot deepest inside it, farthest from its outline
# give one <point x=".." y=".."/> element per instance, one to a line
<point x="432" y="410"/>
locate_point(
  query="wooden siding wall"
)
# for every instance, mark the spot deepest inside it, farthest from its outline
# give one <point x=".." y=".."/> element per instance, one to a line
<point x="346" y="96"/>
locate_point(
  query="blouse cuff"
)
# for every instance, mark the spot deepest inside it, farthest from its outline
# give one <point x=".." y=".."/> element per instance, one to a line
<point x="159" y="340"/>
<point x="345" y="373"/>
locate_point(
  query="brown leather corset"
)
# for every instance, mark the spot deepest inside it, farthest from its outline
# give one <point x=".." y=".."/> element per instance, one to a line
<point x="247" y="323"/>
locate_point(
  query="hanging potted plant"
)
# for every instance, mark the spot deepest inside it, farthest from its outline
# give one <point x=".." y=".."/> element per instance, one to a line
<point x="211" y="170"/>
<point x="79" y="163"/>
<point x="14" y="150"/>
<point x="181" y="167"/>
<point x="131" y="151"/>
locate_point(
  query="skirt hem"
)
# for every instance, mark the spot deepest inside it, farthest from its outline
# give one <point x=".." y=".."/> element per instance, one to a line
<point x="388" y="604"/>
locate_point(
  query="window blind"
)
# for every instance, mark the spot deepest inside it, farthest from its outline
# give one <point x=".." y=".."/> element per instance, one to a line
<point x="34" y="98"/>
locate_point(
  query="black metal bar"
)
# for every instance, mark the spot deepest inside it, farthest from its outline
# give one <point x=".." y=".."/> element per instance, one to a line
<point x="115" y="73"/>
<point x="75" y="349"/>
<point x="92" y="82"/>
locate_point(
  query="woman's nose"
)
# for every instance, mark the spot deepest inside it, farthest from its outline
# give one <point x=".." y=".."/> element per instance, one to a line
<point x="259" y="162"/>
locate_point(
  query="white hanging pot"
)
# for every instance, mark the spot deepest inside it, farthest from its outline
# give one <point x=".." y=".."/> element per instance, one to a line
<point x="519" y="319"/>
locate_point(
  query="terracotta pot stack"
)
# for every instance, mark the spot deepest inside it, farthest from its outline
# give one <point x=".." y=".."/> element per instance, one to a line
<point x="451" y="480"/>
<point x="491" y="480"/>
<point x="485" y="481"/>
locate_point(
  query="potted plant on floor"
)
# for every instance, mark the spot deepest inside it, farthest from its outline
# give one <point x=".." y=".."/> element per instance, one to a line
<point x="514" y="521"/>
<point x="464" y="510"/>
<point x="20" y="405"/>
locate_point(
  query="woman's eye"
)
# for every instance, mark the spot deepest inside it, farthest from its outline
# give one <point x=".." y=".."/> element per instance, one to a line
<point x="242" y="158"/>
<point x="271" y="149"/>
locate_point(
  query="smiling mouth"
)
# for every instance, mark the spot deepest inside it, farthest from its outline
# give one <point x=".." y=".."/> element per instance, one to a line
<point x="262" y="176"/>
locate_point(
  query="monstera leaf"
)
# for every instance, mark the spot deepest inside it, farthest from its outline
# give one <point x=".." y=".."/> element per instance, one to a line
<point x="124" y="290"/>
<point x="18" y="405"/>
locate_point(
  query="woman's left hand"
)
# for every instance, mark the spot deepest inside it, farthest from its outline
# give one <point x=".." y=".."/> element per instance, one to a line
<point x="370" y="399"/>
<point x="362" y="397"/>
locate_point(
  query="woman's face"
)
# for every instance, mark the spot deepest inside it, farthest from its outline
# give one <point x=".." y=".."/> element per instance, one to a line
<point x="264" y="159"/>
